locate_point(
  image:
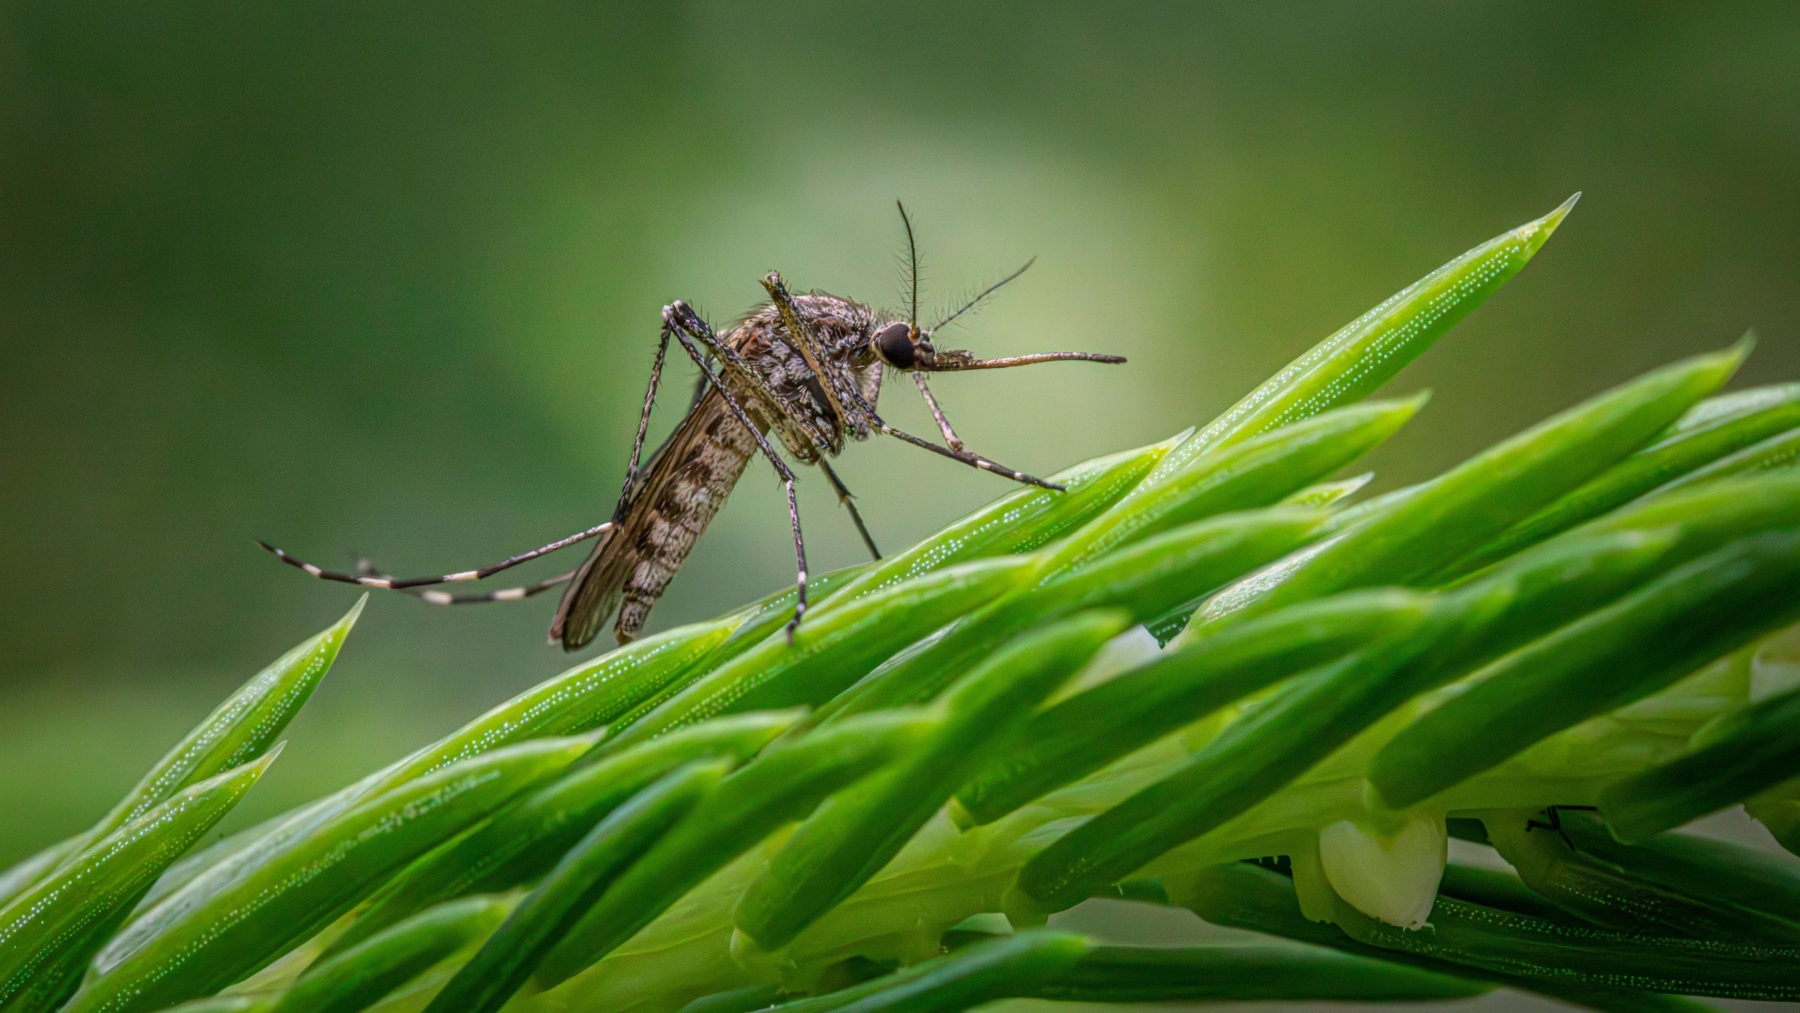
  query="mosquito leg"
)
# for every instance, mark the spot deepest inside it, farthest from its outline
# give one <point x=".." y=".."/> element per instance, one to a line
<point x="728" y="356"/>
<point x="637" y="444"/>
<point x="799" y="559"/>
<point x="875" y="422"/>
<point x="504" y="594"/>
<point x="950" y="436"/>
<point x="400" y="584"/>
<point x="849" y="503"/>
<point x="680" y="316"/>
<point x="365" y="567"/>
<point x="807" y="344"/>
<point x="972" y="460"/>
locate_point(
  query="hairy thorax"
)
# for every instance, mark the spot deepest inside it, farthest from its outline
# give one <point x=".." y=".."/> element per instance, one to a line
<point x="808" y="427"/>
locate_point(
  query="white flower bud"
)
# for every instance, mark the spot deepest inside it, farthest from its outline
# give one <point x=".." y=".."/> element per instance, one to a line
<point x="1392" y="877"/>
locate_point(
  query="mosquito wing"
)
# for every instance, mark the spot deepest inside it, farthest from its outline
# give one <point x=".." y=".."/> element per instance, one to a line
<point x="683" y="486"/>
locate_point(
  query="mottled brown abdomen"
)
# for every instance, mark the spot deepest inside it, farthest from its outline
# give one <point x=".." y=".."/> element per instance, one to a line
<point x="702" y="464"/>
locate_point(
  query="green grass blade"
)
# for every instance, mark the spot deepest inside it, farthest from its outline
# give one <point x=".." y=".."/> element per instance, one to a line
<point x="1368" y="351"/>
<point x="527" y="838"/>
<point x="1746" y="876"/>
<point x="356" y="977"/>
<point x="1633" y="647"/>
<point x="1557" y="959"/>
<point x="1775" y="452"/>
<point x="1752" y="750"/>
<point x="1569" y="577"/>
<point x="1022" y="521"/>
<point x="1690" y="523"/>
<point x="1258" y="472"/>
<point x="1501" y="889"/>
<point x="95" y="885"/>
<point x="860" y="829"/>
<point x="749" y="999"/>
<point x="1554" y="951"/>
<point x="589" y="692"/>
<point x="1247" y="973"/>
<point x="34" y="867"/>
<point x="1616" y="886"/>
<point x="833" y="650"/>
<point x="583" y="698"/>
<point x="507" y="959"/>
<point x="994" y="969"/>
<point x="1145" y="579"/>
<point x="782" y="785"/>
<point x="1778" y="810"/>
<point x="1085" y="732"/>
<point x="226" y="1004"/>
<point x="1463" y="508"/>
<point x="1326" y="494"/>
<point x="1690" y="447"/>
<point x="292" y="893"/>
<point x="240" y="729"/>
<point x="1275" y="742"/>
<point x="754" y="622"/>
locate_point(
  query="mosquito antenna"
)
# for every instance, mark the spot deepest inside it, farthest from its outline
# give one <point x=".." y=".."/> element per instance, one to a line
<point x="982" y="296"/>
<point x="912" y="268"/>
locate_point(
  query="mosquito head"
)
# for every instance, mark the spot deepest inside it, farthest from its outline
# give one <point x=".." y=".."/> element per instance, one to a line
<point x="902" y="346"/>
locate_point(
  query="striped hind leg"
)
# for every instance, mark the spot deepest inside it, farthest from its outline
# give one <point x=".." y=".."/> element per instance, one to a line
<point x="432" y="596"/>
<point x="365" y="577"/>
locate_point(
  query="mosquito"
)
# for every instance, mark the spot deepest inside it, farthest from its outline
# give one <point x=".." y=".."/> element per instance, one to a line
<point x="806" y="368"/>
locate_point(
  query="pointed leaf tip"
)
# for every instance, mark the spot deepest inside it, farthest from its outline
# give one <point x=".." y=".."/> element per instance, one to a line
<point x="350" y="617"/>
<point x="1536" y="233"/>
<point x="1723" y="364"/>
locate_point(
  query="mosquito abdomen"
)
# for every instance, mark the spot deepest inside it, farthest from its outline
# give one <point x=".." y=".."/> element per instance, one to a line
<point x="678" y="507"/>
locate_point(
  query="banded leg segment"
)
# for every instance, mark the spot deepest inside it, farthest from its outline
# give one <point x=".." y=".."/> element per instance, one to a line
<point x="680" y="320"/>
<point x="430" y="596"/>
<point x="972" y="460"/>
<point x="405" y="583"/>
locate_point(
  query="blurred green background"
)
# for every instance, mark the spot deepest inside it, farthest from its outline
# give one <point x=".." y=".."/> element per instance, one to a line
<point x="385" y="279"/>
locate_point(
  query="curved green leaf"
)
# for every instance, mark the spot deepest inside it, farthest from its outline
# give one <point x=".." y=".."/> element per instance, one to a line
<point x="1079" y="735"/>
<point x="354" y="978"/>
<point x="832" y="651"/>
<point x="1476" y="500"/>
<point x="1369" y="350"/>
<point x="1749" y="751"/>
<point x="1694" y="444"/>
<point x="297" y="890"/>
<point x="583" y="875"/>
<point x="528" y="837"/>
<point x="860" y="829"/>
<point x="1145" y="579"/>
<point x="98" y="882"/>
<point x="1642" y="642"/>
<point x="782" y="785"/>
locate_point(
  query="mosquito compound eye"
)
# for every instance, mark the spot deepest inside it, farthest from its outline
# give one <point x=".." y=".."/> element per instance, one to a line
<point x="894" y="344"/>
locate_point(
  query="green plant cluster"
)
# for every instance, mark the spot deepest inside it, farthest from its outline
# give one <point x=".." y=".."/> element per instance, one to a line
<point x="1204" y="653"/>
